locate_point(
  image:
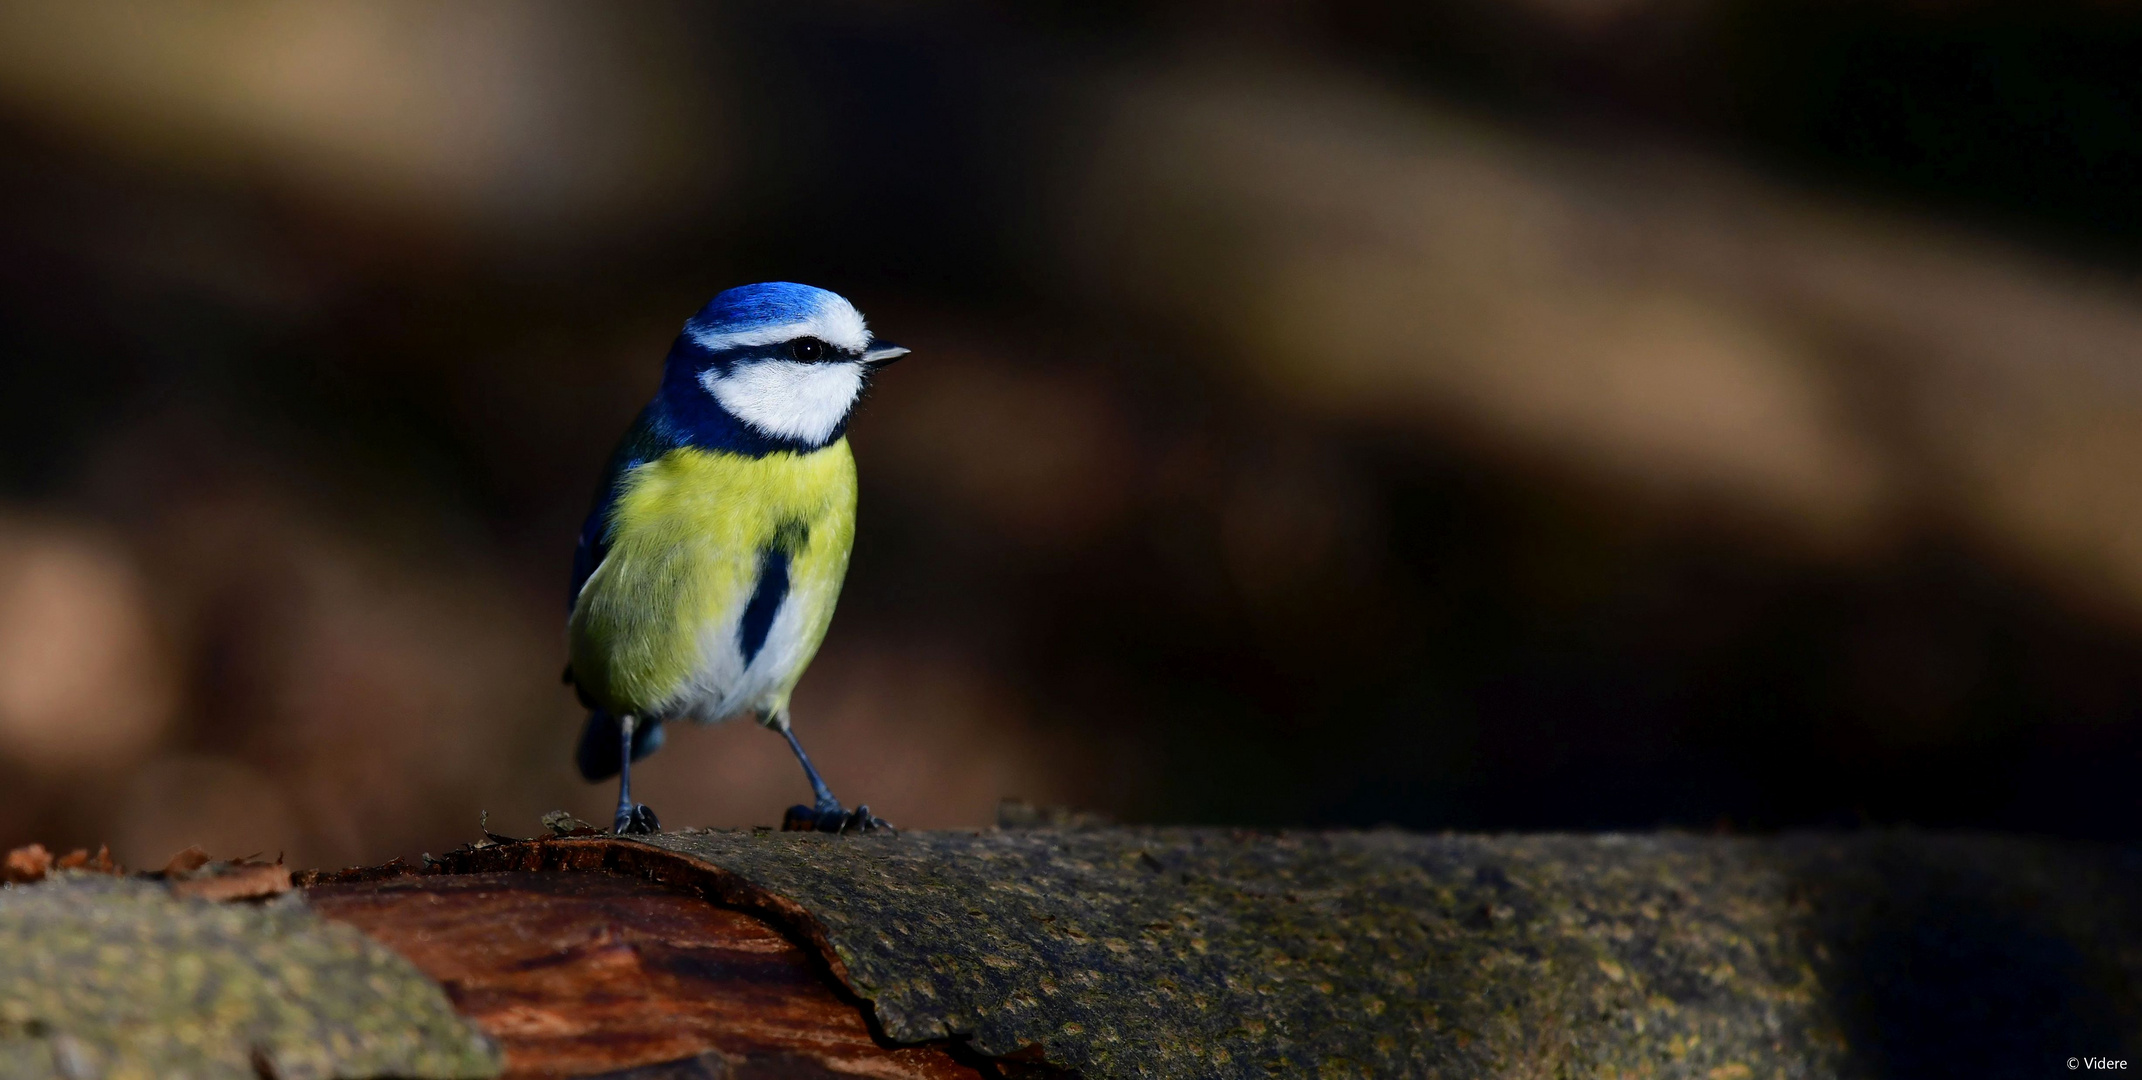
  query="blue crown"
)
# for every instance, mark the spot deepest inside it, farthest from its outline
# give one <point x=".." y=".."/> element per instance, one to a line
<point x="753" y="316"/>
<point x="769" y="303"/>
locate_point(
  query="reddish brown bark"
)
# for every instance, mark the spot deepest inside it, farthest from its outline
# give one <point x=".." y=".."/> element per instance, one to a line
<point x="580" y="974"/>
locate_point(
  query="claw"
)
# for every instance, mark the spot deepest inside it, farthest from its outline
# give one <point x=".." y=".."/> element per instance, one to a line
<point x="639" y="820"/>
<point x="833" y="820"/>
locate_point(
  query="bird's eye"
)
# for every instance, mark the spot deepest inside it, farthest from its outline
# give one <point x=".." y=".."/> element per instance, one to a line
<point x="808" y="350"/>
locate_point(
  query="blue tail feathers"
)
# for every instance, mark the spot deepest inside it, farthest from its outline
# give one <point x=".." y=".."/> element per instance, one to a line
<point x="598" y="755"/>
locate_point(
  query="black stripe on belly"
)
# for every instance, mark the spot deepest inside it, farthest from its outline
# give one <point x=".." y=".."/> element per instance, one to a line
<point x="766" y="599"/>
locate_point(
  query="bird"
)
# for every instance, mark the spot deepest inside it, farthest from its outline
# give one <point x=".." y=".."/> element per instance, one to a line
<point x="707" y="570"/>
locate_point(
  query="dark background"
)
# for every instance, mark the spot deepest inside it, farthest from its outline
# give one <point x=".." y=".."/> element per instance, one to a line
<point x="1552" y="414"/>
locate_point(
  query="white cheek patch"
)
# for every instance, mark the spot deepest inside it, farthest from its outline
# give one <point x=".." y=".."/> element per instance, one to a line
<point x="788" y="400"/>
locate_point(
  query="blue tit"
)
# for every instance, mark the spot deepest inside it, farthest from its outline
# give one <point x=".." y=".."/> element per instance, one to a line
<point x="708" y="569"/>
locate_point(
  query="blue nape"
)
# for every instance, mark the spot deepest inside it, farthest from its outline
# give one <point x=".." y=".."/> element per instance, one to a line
<point x="766" y="599"/>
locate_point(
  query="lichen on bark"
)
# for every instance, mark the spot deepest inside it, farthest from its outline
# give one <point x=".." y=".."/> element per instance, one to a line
<point x="116" y="978"/>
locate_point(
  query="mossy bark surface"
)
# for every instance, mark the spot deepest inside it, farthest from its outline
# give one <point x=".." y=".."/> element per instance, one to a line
<point x="1127" y="952"/>
<point x="1176" y="952"/>
<point x="115" y="978"/>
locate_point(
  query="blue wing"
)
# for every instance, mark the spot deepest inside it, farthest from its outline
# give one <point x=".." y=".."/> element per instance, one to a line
<point x="600" y="752"/>
<point x="644" y="442"/>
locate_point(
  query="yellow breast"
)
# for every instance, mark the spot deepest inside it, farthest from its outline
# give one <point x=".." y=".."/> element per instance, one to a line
<point x="687" y="534"/>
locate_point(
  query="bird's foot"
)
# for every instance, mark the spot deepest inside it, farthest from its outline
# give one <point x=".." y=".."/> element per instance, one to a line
<point x="640" y="818"/>
<point x="833" y="819"/>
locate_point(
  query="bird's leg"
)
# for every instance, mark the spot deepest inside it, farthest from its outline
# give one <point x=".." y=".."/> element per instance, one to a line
<point x="625" y="726"/>
<point x="631" y="816"/>
<point x="827" y="814"/>
<point x="820" y="793"/>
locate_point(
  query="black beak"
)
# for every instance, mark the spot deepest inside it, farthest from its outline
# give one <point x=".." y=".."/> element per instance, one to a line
<point x="882" y="352"/>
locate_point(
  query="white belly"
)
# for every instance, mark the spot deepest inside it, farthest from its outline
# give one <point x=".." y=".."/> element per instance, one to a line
<point x="725" y="685"/>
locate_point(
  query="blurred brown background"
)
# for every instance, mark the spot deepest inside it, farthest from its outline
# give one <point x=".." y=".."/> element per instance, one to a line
<point x="1560" y="413"/>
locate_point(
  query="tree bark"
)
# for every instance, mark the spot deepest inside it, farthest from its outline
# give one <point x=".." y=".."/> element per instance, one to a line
<point x="1123" y="952"/>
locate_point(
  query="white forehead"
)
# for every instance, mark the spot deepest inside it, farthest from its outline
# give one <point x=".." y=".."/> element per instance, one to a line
<point x="834" y="321"/>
